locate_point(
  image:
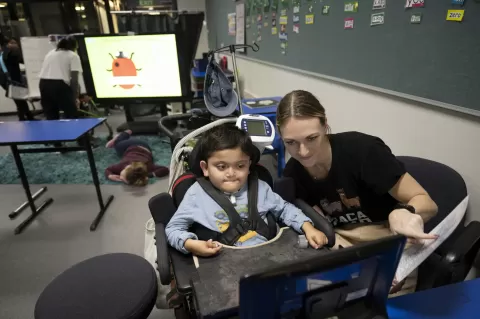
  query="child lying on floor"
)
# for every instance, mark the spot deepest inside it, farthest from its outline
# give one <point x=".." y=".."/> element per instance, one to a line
<point x="136" y="165"/>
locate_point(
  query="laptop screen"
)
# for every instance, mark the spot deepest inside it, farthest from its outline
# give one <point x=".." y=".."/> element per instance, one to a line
<point x="348" y="283"/>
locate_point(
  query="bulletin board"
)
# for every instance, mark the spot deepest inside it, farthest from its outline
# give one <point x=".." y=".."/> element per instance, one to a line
<point x="435" y="61"/>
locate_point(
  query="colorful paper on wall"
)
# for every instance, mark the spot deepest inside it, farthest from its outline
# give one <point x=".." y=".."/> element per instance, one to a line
<point x="274" y="30"/>
<point x="455" y="15"/>
<point x="274" y="19"/>
<point x="377" y="18"/>
<point x="416" y="18"/>
<point x="283" y="20"/>
<point x="283" y="12"/>
<point x="415" y="3"/>
<point x="283" y="46"/>
<point x="458" y="2"/>
<point x="309" y="18"/>
<point x="296" y="28"/>
<point x="232" y="26"/>
<point x="351" y="6"/>
<point x="296" y="9"/>
<point x="348" y="23"/>
<point x="379" y="4"/>
<point x="296" y="18"/>
<point x="326" y="10"/>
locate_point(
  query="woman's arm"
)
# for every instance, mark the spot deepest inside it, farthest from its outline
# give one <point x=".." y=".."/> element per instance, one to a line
<point x="408" y="191"/>
<point x="74" y="84"/>
<point x="402" y="221"/>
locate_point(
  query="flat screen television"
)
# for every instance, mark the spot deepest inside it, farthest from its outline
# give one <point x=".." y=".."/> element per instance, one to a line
<point x="140" y="67"/>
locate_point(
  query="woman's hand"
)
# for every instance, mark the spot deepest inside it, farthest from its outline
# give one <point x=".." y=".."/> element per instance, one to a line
<point x="316" y="238"/>
<point x="410" y="225"/>
<point x="202" y="248"/>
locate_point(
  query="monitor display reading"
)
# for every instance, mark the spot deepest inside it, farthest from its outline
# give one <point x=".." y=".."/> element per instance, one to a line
<point x="256" y="128"/>
<point x="140" y="66"/>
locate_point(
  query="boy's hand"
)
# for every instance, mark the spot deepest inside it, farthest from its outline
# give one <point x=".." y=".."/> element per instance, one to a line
<point x="202" y="248"/>
<point x="316" y="238"/>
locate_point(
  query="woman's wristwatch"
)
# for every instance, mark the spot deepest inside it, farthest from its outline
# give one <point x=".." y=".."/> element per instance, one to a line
<point x="410" y="208"/>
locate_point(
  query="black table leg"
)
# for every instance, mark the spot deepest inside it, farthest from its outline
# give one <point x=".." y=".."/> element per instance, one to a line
<point x="23" y="177"/>
<point x="93" y="168"/>
<point x="20" y="208"/>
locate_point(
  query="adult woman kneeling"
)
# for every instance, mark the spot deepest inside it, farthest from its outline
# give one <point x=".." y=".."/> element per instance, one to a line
<point x="352" y="179"/>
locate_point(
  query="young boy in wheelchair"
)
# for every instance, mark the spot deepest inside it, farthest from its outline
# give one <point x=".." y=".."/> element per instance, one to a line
<point x="201" y="226"/>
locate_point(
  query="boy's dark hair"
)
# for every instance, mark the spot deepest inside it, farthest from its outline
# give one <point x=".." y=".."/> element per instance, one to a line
<point x="224" y="137"/>
<point x="68" y="43"/>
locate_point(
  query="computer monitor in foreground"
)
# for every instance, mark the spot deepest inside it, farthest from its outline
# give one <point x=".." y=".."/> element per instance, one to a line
<point x="348" y="283"/>
<point x="134" y="67"/>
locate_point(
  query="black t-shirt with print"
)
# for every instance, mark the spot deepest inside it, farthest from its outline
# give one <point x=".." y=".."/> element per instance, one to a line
<point x="356" y="189"/>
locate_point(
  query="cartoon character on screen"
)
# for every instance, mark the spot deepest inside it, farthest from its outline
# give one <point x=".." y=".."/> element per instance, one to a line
<point x="123" y="66"/>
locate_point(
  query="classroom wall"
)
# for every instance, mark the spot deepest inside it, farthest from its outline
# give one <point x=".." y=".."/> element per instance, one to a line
<point x="196" y="5"/>
<point x="407" y="127"/>
<point x="6" y="104"/>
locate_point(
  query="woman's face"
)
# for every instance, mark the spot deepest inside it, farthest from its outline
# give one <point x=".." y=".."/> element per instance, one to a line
<point x="304" y="138"/>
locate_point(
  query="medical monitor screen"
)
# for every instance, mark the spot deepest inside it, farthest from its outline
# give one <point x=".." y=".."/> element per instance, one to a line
<point x="256" y="128"/>
<point x="140" y="66"/>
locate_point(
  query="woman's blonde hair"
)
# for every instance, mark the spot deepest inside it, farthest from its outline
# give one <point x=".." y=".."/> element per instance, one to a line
<point x="300" y="103"/>
<point x="137" y="174"/>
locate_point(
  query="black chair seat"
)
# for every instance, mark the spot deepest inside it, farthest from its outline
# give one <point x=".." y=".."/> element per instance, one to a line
<point x="112" y="286"/>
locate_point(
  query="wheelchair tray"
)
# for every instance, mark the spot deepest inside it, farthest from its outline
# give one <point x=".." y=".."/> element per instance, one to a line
<point x="216" y="287"/>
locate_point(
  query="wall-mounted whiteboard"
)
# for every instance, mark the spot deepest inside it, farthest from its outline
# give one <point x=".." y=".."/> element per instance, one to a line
<point x="34" y="50"/>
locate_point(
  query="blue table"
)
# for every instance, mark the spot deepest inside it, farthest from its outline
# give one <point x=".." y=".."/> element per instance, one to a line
<point x="461" y="300"/>
<point x="48" y="132"/>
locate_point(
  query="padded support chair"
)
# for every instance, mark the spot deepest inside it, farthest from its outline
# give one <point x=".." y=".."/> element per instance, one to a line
<point x="110" y="286"/>
<point x="452" y="261"/>
<point x="162" y="208"/>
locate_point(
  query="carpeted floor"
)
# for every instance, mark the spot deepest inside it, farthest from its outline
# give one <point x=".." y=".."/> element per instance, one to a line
<point x="73" y="167"/>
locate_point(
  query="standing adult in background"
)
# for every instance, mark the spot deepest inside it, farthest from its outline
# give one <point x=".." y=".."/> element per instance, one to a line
<point x="10" y="59"/>
<point x="59" y="80"/>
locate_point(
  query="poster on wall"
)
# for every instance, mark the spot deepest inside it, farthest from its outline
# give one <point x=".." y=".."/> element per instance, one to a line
<point x="416" y="18"/>
<point x="455" y="15"/>
<point x="377" y="19"/>
<point x="231" y="24"/>
<point x="240" y="25"/>
<point x="415" y="4"/>
<point x="351" y="6"/>
<point x="379" y="4"/>
<point x="348" y="23"/>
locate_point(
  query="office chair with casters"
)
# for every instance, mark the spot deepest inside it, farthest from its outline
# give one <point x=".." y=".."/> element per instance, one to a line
<point x="451" y="261"/>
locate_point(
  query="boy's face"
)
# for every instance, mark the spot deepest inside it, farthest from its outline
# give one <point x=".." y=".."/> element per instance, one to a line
<point x="227" y="170"/>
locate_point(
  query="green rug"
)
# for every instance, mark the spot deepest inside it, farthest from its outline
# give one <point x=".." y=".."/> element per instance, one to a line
<point x="73" y="167"/>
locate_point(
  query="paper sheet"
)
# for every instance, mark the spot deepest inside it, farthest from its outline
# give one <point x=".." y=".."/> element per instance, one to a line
<point x="416" y="254"/>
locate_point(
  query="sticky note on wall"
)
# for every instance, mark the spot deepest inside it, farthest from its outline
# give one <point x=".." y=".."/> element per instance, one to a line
<point x="455" y="15"/>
